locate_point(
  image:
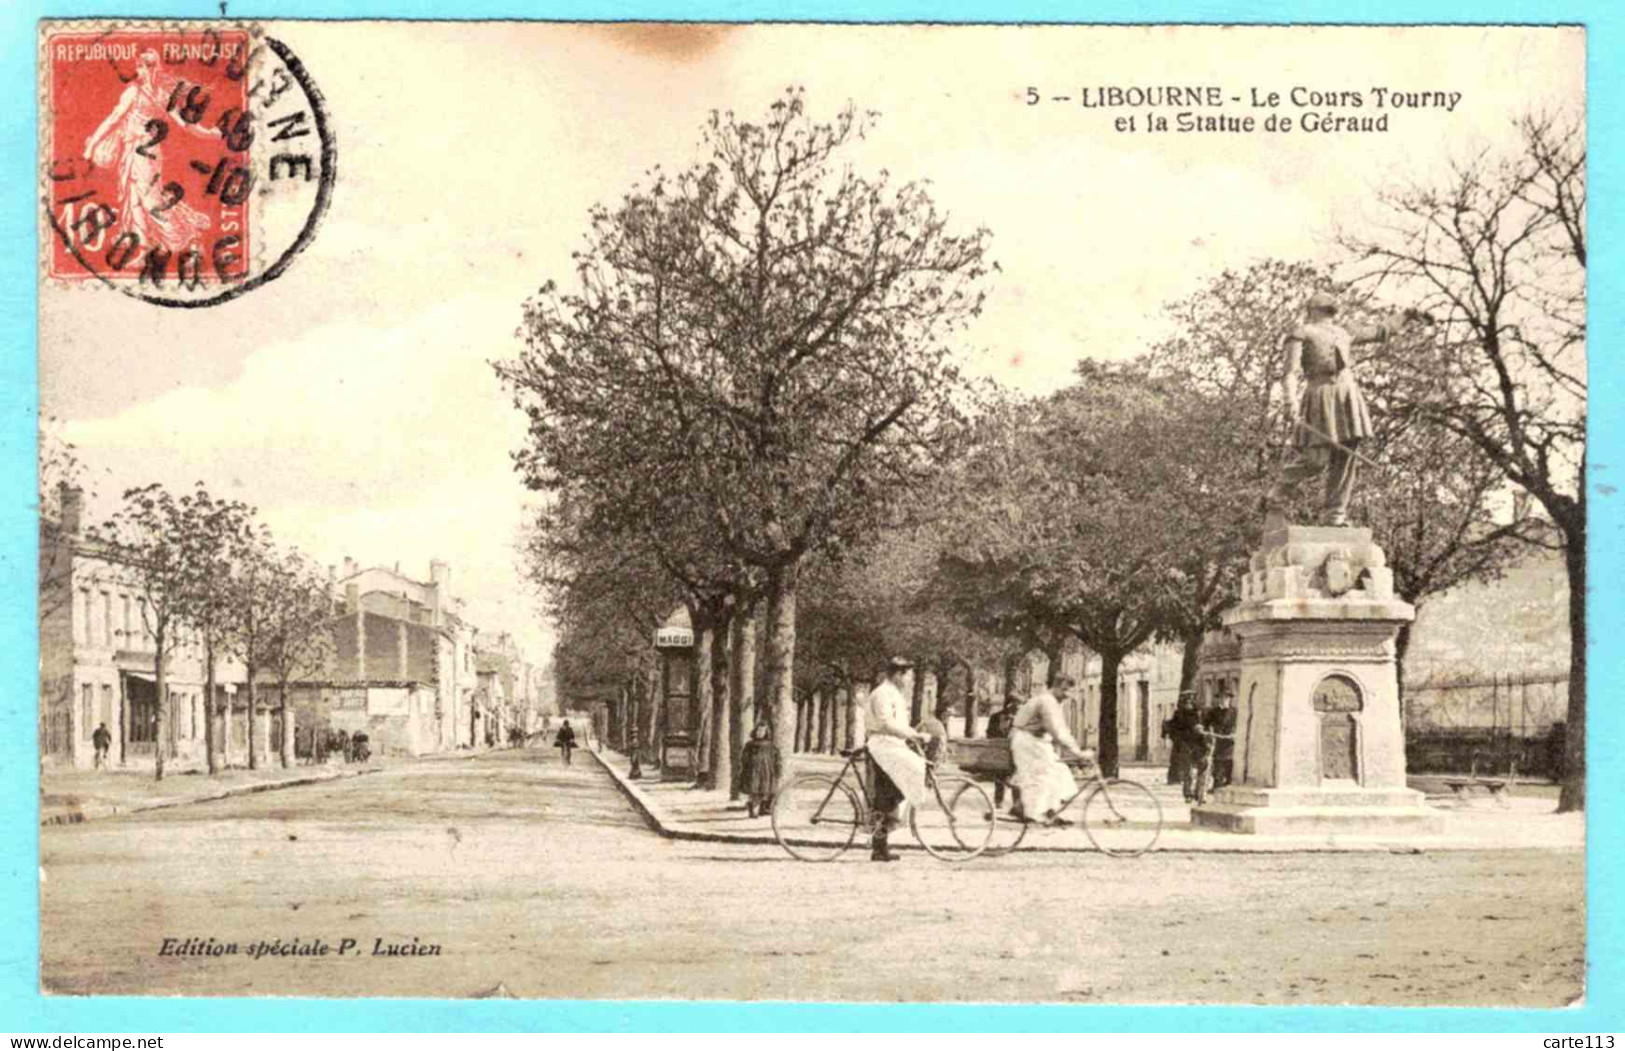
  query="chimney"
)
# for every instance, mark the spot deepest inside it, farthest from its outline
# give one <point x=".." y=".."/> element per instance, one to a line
<point x="438" y="572"/>
<point x="349" y="566"/>
<point x="72" y="499"/>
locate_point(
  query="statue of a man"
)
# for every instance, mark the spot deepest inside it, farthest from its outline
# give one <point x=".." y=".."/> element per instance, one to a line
<point x="1332" y="418"/>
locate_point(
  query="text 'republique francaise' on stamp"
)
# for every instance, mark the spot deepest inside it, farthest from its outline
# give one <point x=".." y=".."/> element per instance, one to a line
<point x="183" y="164"/>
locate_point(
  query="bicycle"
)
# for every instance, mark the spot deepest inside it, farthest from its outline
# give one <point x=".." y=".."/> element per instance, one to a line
<point x="1123" y="819"/>
<point x="1204" y="768"/>
<point x="817" y="817"/>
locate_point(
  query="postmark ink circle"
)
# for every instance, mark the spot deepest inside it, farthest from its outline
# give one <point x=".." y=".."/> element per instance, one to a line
<point x="185" y="165"/>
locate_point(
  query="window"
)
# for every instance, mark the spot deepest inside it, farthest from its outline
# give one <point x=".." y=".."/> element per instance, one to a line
<point x="129" y="636"/>
<point x="146" y="632"/>
<point x="81" y="626"/>
<point x="88" y="695"/>
<point x="107" y="619"/>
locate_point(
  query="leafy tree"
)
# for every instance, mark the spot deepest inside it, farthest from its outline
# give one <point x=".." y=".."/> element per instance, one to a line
<point x="150" y="532"/>
<point x="1497" y="253"/>
<point x="1097" y="502"/>
<point x="298" y="630"/>
<point x="766" y="333"/>
<point x="211" y="532"/>
<point x="253" y="590"/>
<point x="1429" y="497"/>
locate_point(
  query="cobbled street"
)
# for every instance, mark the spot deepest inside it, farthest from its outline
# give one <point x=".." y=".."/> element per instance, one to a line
<point x="541" y="878"/>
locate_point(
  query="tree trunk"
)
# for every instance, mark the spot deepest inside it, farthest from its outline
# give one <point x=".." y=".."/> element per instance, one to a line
<point x="1110" y="662"/>
<point x="225" y="723"/>
<point x="916" y="708"/>
<point x="781" y="657"/>
<point x="288" y="724"/>
<point x="854" y="689"/>
<point x="945" y="677"/>
<point x="1573" y="793"/>
<point x="830" y="701"/>
<point x="1010" y="684"/>
<point x="651" y="730"/>
<point x="970" y="700"/>
<point x="815" y="724"/>
<point x="1402" y="645"/>
<point x="841" y="716"/>
<point x="1053" y="652"/>
<point x="161" y="683"/>
<point x="208" y="712"/>
<point x="1190" y="657"/>
<point x="720" y="774"/>
<point x="253" y="720"/>
<point x="704" y="639"/>
<point x="742" y="695"/>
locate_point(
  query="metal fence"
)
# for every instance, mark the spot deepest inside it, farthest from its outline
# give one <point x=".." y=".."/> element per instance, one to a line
<point x="1454" y="724"/>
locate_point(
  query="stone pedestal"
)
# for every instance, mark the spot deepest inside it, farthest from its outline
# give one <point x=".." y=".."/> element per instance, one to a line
<point x="1320" y="746"/>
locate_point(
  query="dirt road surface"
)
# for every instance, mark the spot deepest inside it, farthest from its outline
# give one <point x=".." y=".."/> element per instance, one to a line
<point x="538" y="877"/>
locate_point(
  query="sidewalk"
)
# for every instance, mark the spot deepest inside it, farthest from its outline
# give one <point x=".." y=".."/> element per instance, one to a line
<point x="69" y="797"/>
<point x="1526" y="822"/>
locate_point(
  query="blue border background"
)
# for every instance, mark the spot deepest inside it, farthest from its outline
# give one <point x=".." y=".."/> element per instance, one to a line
<point x="23" y="1009"/>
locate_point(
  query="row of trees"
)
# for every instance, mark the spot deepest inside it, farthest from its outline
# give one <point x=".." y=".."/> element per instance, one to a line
<point x="749" y="405"/>
<point x="206" y="569"/>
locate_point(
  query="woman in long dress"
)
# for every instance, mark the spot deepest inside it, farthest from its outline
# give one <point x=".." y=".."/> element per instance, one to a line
<point x="129" y="142"/>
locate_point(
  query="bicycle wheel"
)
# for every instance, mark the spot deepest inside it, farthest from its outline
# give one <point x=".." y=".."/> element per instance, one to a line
<point x="957" y="822"/>
<point x="1008" y="832"/>
<point x="816" y="818"/>
<point x="1122" y="818"/>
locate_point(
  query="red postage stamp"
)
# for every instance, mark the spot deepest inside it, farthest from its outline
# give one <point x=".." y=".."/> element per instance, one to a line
<point x="143" y="129"/>
<point x="183" y="164"/>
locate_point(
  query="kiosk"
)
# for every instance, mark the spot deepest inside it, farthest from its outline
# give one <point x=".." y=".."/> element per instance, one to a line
<point x="678" y="731"/>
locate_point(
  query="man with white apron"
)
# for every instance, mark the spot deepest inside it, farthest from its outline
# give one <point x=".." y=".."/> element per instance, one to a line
<point x="898" y="771"/>
<point x="1038" y="727"/>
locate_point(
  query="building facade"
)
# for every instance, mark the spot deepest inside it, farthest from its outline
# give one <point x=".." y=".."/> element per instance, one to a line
<point x="98" y="654"/>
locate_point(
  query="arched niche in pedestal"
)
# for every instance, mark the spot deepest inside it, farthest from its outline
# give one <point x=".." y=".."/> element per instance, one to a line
<point x="1338" y="701"/>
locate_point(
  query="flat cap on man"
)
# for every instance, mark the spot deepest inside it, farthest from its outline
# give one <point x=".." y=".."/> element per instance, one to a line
<point x="899" y="664"/>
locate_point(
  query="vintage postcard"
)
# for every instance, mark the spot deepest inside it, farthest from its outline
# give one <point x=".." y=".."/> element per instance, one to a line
<point x="1008" y="514"/>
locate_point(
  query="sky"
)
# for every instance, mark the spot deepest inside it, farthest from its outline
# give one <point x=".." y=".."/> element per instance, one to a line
<point x="351" y="401"/>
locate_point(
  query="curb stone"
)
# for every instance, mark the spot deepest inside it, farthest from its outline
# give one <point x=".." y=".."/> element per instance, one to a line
<point x="659" y="824"/>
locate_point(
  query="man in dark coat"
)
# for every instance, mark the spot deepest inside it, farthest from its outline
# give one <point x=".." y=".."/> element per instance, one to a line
<point x="1183" y="733"/>
<point x="101" y="740"/>
<point x="998" y="727"/>
<point x="565" y="741"/>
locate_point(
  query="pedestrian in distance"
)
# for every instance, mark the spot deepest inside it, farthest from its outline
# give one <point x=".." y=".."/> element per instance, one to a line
<point x="759" y="770"/>
<point x="998" y="728"/>
<point x="101" y="740"/>
<point x="1180" y="730"/>
<point x="565" y="742"/>
<point x="1185" y="731"/>
<point x="896" y="771"/>
<point x="1038" y="737"/>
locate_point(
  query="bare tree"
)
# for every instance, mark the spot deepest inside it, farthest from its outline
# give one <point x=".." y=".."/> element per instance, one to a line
<point x="1497" y="254"/>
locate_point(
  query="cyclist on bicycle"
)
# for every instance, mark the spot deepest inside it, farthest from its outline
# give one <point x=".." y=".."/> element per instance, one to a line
<point x="1037" y="730"/>
<point x="897" y="771"/>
